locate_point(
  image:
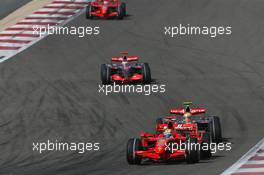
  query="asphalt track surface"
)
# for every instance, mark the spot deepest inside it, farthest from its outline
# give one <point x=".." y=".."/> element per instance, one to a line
<point x="50" y="91"/>
<point x="8" y="6"/>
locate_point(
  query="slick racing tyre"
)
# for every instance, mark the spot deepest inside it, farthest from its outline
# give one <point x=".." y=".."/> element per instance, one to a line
<point x="124" y="7"/>
<point x="88" y="12"/>
<point x="146" y="73"/>
<point x="133" y="145"/>
<point x="192" y="152"/>
<point x="205" y="147"/>
<point x="105" y="74"/>
<point x="121" y="11"/>
<point x="159" y="121"/>
<point x="215" y="129"/>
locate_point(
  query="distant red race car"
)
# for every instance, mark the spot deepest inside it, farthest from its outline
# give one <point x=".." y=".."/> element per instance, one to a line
<point x="106" y="9"/>
<point x="125" y="69"/>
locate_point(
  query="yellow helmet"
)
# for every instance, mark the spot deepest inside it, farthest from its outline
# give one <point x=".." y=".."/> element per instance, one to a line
<point x="187" y="114"/>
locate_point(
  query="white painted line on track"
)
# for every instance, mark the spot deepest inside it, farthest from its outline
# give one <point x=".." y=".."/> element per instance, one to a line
<point x="250" y="163"/>
<point x="20" y="36"/>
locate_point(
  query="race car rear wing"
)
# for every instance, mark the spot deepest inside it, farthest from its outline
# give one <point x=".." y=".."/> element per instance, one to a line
<point x="193" y="111"/>
<point x="125" y="57"/>
<point x="128" y="58"/>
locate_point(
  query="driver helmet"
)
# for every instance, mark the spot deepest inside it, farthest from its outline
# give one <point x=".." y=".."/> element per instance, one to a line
<point x="103" y="1"/>
<point x="168" y="130"/>
<point x="187" y="116"/>
<point x="124" y="60"/>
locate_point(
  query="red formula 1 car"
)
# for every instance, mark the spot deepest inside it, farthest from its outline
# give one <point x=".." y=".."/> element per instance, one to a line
<point x="187" y="129"/>
<point x="162" y="148"/>
<point x="106" y="9"/>
<point x="209" y="124"/>
<point x="125" y="69"/>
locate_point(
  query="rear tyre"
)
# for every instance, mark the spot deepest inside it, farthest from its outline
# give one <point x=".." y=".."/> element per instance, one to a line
<point x="88" y="12"/>
<point x="192" y="151"/>
<point x="215" y="129"/>
<point x="124" y="7"/>
<point x="133" y="145"/>
<point x="121" y="11"/>
<point x="105" y="74"/>
<point x="205" y="147"/>
<point x="159" y="121"/>
<point x="146" y="73"/>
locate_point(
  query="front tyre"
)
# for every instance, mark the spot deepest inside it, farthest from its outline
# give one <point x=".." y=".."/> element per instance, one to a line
<point x="192" y="151"/>
<point x="133" y="145"/>
<point x="159" y="121"/>
<point x="206" y="143"/>
<point x="105" y="74"/>
<point x="88" y="12"/>
<point x="215" y="129"/>
<point x="121" y="11"/>
<point x="146" y="73"/>
<point x="124" y="8"/>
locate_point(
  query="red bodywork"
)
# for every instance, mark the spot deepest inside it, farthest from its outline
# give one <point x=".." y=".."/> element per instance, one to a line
<point x="158" y="148"/>
<point x="183" y="129"/>
<point x="106" y="8"/>
<point x="188" y="127"/>
<point x="129" y="58"/>
<point x="193" y="111"/>
<point x="134" y="77"/>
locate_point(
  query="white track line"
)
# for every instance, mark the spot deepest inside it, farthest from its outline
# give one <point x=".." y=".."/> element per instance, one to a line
<point x="249" y="170"/>
<point x="40" y="20"/>
<point x="17" y="38"/>
<point x="49" y="15"/>
<point x="13" y="44"/>
<point x="56" y="10"/>
<point x="24" y="26"/>
<point x="245" y="160"/>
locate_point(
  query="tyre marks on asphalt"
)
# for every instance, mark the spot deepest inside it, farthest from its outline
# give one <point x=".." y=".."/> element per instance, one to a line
<point x="252" y="163"/>
<point x="22" y="35"/>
